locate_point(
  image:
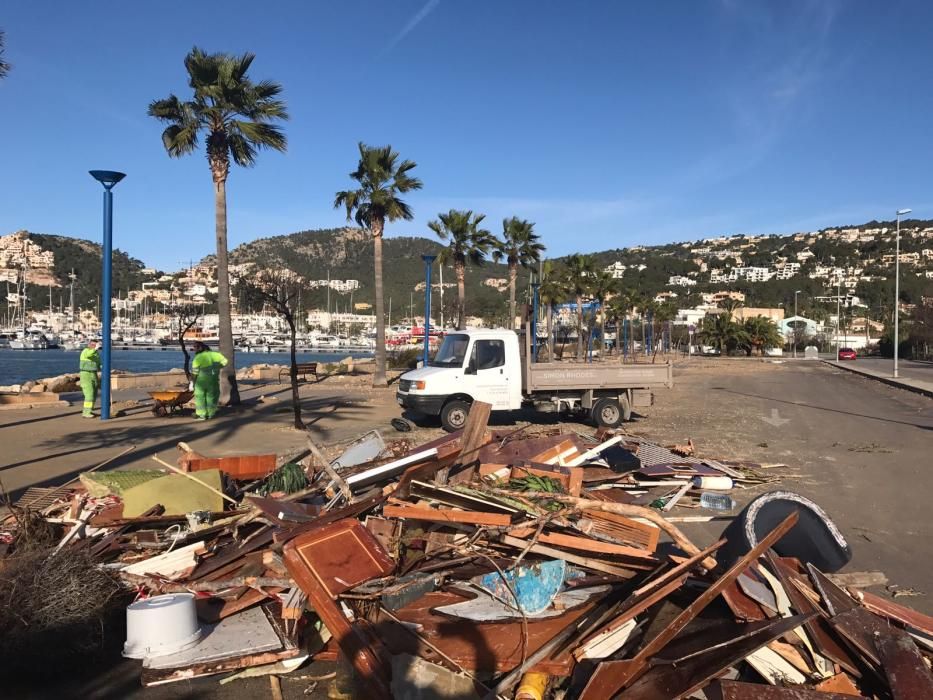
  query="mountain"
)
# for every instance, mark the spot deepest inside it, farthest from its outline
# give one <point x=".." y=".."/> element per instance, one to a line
<point x="861" y="254"/>
<point x="347" y="254"/>
<point x="85" y="258"/>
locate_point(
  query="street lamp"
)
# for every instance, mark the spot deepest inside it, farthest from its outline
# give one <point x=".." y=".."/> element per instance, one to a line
<point x="897" y="282"/>
<point x="428" y="262"/>
<point x="793" y="328"/>
<point x="535" y="290"/>
<point x="108" y="178"/>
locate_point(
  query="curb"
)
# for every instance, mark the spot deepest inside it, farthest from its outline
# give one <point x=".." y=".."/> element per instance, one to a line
<point x="890" y="381"/>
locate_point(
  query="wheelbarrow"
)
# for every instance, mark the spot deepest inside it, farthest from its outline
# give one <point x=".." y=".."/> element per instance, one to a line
<point x="169" y="401"/>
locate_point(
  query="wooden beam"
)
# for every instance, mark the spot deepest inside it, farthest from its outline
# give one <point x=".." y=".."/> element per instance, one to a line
<point x="585" y="543"/>
<point x="433" y="515"/>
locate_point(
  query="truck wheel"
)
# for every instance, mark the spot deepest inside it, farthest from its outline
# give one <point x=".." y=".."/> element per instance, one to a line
<point x="454" y="415"/>
<point x="607" y="413"/>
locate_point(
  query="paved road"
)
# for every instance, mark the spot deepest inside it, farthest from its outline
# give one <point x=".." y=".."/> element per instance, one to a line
<point x="857" y="447"/>
<point x="905" y="368"/>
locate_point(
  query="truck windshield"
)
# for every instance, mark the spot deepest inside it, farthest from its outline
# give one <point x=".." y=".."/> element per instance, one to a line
<point x="452" y="351"/>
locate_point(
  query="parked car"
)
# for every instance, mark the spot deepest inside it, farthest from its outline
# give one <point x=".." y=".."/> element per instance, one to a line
<point x="846" y="354"/>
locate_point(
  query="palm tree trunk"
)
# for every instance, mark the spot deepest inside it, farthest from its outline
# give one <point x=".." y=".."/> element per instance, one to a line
<point x="229" y="393"/>
<point x="513" y="278"/>
<point x="579" y="327"/>
<point x="293" y="375"/>
<point x="461" y="295"/>
<point x="379" y="373"/>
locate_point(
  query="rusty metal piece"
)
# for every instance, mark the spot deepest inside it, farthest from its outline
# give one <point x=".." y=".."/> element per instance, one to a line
<point x="734" y="690"/>
<point x="610" y="678"/>
<point x="903" y="665"/>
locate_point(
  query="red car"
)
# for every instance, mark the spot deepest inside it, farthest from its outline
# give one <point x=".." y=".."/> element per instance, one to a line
<point x="846" y="354"/>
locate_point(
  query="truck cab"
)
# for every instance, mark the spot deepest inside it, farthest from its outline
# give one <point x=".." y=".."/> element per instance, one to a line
<point x="474" y="365"/>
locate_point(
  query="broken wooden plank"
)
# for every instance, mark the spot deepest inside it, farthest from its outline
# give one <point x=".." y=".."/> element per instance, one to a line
<point x="583" y="543"/>
<point x="891" y="610"/>
<point x="684" y="677"/>
<point x="859" y="579"/>
<point x="907" y="672"/>
<point x="617" y="675"/>
<point x="587" y="562"/>
<point x="619" y="527"/>
<point x="438" y="515"/>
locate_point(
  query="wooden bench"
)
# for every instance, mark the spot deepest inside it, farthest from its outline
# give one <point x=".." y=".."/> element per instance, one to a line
<point x="304" y="369"/>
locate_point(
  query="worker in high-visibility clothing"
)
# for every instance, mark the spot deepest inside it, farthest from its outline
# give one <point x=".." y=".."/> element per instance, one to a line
<point x="88" y="368"/>
<point x="205" y="371"/>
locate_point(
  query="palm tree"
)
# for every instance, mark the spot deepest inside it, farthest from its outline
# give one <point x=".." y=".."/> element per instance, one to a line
<point x="4" y="66"/>
<point x="551" y="292"/>
<point x="382" y="178"/>
<point x="618" y="308"/>
<point x="761" y="333"/>
<point x="603" y="286"/>
<point x="579" y="272"/>
<point x="465" y="241"/>
<point x="519" y="247"/>
<point x="234" y="115"/>
<point x="721" y="332"/>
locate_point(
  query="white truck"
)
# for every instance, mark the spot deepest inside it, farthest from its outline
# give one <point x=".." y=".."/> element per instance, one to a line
<point x="489" y="366"/>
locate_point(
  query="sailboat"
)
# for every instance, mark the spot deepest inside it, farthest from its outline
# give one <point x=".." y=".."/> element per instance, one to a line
<point x="26" y="338"/>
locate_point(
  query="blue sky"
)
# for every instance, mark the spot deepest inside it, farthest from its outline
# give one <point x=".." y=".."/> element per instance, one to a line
<point x="609" y="124"/>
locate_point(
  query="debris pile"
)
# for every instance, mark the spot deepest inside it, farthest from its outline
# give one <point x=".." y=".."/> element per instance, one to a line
<point x="485" y="563"/>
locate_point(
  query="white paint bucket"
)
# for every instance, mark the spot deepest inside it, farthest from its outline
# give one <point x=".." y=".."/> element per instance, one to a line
<point x="713" y="483"/>
<point x="161" y="625"/>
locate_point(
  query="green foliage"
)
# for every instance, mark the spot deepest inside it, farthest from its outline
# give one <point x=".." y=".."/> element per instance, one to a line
<point x="520" y="245"/>
<point x="86" y="259"/>
<point x="722" y="333"/>
<point x="4" y="66"/>
<point x="381" y="178"/>
<point x="289" y="478"/>
<point x="760" y="334"/>
<point x="466" y="241"/>
<point x="231" y="112"/>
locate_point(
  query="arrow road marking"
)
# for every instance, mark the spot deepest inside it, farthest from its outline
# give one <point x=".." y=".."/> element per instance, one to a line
<point x="775" y="419"/>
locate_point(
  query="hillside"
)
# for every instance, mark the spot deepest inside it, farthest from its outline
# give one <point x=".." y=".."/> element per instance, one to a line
<point x="85" y="258"/>
<point x="767" y="269"/>
<point x="347" y="254"/>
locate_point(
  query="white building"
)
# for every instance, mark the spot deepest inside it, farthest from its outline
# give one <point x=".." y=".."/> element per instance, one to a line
<point x="787" y="270"/>
<point x="754" y="274"/>
<point x="680" y="281"/>
<point x="617" y="270"/>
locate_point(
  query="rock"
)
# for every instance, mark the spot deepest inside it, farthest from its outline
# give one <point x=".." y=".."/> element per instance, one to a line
<point x="11" y="389"/>
<point x="37" y="389"/>
<point x="26" y="388"/>
<point x="62" y="383"/>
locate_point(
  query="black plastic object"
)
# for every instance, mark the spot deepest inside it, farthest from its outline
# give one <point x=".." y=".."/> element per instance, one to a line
<point x="814" y="539"/>
<point x="401" y="425"/>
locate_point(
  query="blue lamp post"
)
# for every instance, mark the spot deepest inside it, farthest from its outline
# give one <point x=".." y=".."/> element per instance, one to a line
<point x="108" y="178"/>
<point x="428" y="262"/>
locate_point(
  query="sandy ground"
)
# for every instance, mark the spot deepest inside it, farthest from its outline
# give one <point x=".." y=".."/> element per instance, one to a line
<point x="858" y="448"/>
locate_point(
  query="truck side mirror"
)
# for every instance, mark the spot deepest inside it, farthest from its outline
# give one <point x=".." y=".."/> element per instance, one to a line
<point x="471" y="367"/>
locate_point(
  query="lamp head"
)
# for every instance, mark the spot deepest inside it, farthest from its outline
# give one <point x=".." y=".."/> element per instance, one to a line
<point x="108" y="178"/>
<point x="429" y="258"/>
<point x="901" y="212"/>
